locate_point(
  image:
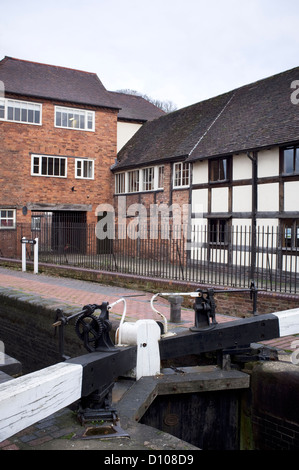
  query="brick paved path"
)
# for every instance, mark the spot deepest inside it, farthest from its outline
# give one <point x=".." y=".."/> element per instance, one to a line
<point x="80" y="293"/>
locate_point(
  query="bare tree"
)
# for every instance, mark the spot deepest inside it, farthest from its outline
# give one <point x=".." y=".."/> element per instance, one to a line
<point x="167" y="106"/>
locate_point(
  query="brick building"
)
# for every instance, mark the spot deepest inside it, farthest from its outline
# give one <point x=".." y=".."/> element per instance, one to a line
<point x="59" y="132"/>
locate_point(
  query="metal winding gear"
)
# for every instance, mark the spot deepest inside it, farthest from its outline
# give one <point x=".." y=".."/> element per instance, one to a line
<point x="89" y="329"/>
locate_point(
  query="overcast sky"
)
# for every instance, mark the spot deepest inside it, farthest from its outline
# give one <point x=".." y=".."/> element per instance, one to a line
<point x="178" y="50"/>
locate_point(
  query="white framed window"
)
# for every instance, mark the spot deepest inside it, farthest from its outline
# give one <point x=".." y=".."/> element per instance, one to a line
<point x="48" y="165"/>
<point x="145" y="179"/>
<point x="20" y="111"/>
<point x="181" y="175"/>
<point x="71" y="118"/>
<point x="148" y="179"/>
<point x="120" y="183"/>
<point x="133" y="181"/>
<point x="7" y="219"/>
<point x="84" y="168"/>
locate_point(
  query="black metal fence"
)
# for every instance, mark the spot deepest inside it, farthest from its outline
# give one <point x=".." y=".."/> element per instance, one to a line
<point x="233" y="258"/>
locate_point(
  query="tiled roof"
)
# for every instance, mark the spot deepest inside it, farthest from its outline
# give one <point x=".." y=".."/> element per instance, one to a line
<point x="56" y="83"/>
<point x="136" y="108"/>
<point x="254" y="116"/>
<point x="259" y="115"/>
<point x="171" y="136"/>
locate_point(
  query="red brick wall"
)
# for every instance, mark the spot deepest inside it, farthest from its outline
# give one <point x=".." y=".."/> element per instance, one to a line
<point x="19" y="188"/>
<point x="174" y="199"/>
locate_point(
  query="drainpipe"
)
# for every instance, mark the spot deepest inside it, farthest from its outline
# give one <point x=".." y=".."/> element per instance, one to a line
<point x="253" y="159"/>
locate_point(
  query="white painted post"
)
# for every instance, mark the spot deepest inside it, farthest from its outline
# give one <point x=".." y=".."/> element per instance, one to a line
<point x="23" y="255"/>
<point x="146" y="335"/>
<point x="35" y="254"/>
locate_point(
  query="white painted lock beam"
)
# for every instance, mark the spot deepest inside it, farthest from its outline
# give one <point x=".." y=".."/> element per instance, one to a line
<point x="33" y="397"/>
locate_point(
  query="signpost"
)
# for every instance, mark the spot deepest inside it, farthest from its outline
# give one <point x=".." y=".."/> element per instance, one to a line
<point x="33" y="242"/>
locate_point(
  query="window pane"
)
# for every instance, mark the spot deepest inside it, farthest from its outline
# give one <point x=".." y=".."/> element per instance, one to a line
<point x="85" y="169"/>
<point x="56" y="169"/>
<point x="82" y="122"/>
<point x="90" y="166"/>
<point x="185" y="176"/>
<point x="89" y="120"/>
<point x="7" y="219"/>
<point x="2" y="109"/>
<point x="76" y="121"/>
<point x="297" y="235"/>
<point x="64" y="119"/>
<point x="288" y="161"/>
<point x="288" y="228"/>
<point x="37" y="116"/>
<point x="62" y="166"/>
<point x="79" y="165"/>
<point x="24" y="116"/>
<point x="58" y="118"/>
<point x="148" y="174"/>
<point x="161" y="177"/>
<point x="222" y="169"/>
<point x="35" y="165"/>
<point x="214" y="169"/>
<point x="297" y="160"/>
<point x="71" y="120"/>
<point x="222" y="225"/>
<point x="50" y="166"/>
<point x="44" y="166"/>
<point x="10" y="113"/>
<point x="133" y="181"/>
<point x="30" y="115"/>
<point x="213" y="231"/>
<point x="177" y="177"/>
<point x="120" y="183"/>
<point x="17" y="114"/>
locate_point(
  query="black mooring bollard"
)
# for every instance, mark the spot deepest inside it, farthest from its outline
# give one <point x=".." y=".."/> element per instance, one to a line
<point x="175" y="308"/>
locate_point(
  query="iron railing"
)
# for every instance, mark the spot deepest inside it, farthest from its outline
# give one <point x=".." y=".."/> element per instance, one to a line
<point x="196" y="254"/>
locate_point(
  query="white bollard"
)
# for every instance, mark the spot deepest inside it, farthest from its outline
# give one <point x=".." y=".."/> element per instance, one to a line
<point x="23" y="255"/>
<point x="35" y="254"/>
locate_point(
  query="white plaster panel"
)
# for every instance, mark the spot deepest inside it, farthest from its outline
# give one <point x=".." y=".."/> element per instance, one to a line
<point x="200" y="172"/>
<point x="268" y="197"/>
<point x="200" y="200"/>
<point x="291" y="196"/>
<point x="242" y="199"/>
<point x="219" y="200"/>
<point x="268" y="163"/>
<point x="125" y="130"/>
<point x="242" y="167"/>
